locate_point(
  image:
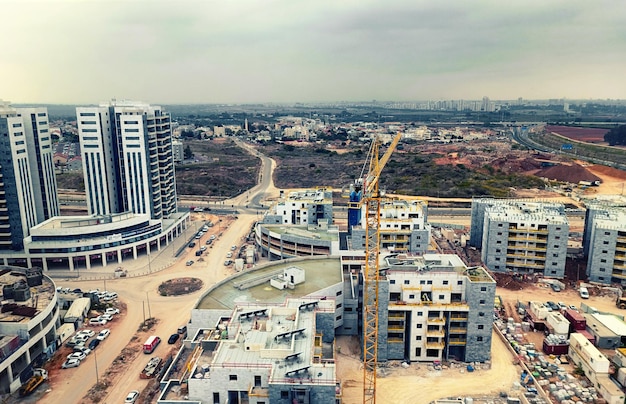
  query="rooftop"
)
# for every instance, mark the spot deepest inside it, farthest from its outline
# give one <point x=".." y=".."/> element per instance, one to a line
<point x="281" y="338"/>
<point x="528" y="211"/>
<point x="436" y="262"/>
<point x="255" y="287"/>
<point x="26" y="301"/>
<point x="310" y="232"/>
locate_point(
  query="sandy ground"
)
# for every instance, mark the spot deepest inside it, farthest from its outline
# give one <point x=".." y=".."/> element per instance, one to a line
<point x="419" y="384"/>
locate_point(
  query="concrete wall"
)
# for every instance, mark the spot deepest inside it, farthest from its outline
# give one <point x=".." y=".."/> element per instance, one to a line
<point x="480" y="298"/>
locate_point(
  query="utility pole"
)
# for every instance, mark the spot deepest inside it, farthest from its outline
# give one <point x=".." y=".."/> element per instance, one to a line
<point x="149" y="313"/>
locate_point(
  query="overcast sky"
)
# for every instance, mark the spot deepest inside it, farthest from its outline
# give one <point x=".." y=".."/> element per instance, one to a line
<point x="242" y="51"/>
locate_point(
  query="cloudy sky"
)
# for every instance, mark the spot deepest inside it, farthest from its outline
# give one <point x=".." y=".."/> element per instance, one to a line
<point x="242" y="51"/>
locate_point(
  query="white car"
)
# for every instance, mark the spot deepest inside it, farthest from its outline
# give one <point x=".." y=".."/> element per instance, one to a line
<point x="103" y="334"/>
<point x="76" y="355"/>
<point x="88" y="333"/>
<point x="107" y="317"/>
<point x="131" y="397"/>
<point x="229" y="255"/>
<point x="112" y="310"/>
<point x="97" y="321"/>
<point x="83" y="349"/>
<point x="70" y="363"/>
<point x="112" y="295"/>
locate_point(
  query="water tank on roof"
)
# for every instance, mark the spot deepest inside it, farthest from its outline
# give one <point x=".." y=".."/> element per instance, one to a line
<point x="34" y="277"/>
<point x="7" y="292"/>
<point x="21" y="292"/>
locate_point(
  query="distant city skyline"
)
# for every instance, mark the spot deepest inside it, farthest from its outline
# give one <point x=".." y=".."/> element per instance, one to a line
<point x="165" y="51"/>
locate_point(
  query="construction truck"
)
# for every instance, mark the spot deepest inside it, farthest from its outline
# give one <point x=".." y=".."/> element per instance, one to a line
<point x="39" y="376"/>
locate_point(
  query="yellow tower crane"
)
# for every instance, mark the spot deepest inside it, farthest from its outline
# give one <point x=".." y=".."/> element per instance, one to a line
<point x="371" y="198"/>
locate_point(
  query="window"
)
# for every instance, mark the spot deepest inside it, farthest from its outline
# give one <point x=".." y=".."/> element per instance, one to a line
<point x="411" y="296"/>
<point x="482" y="301"/>
<point x="347" y="309"/>
<point x="483" y="288"/>
<point x="338" y="318"/>
<point x="498" y="250"/>
<point x="392" y="282"/>
<point x="499" y="224"/>
<point x="419" y="326"/>
<point x="418" y="338"/>
<point x="499" y="233"/>
<point x="602" y="269"/>
<point x="445" y="282"/>
<point x="557" y="237"/>
<point x="423" y="282"/>
<point x="605" y="242"/>
<point x="606" y="233"/>
<point x="459" y="282"/>
<point x="232" y="377"/>
<point x="556" y="246"/>
<point x="479" y="339"/>
<point x="339" y="293"/>
<point x="216" y="398"/>
<point x="603" y="260"/>
<point x="555" y="255"/>
<point x="284" y="394"/>
<point x="604" y="252"/>
<point x="480" y="326"/>
<point x="441" y="297"/>
<point x="429" y="282"/>
<point x="558" y="229"/>
<point x="419" y="313"/>
<point x="406" y="281"/>
<point x="481" y="314"/>
<point x="338" y="305"/>
<point x="498" y="242"/>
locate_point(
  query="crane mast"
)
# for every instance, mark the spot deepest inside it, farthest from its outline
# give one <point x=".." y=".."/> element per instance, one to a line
<point x="372" y="199"/>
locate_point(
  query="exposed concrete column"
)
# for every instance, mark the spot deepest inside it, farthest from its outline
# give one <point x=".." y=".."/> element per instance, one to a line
<point x="103" y="257"/>
<point x="44" y="263"/>
<point x="29" y="263"/>
<point x="87" y="261"/>
<point x="118" y="252"/>
<point x="70" y="261"/>
<point x="135" y="252"/>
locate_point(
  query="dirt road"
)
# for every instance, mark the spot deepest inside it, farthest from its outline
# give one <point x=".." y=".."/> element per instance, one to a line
<point x="171" y="311"/>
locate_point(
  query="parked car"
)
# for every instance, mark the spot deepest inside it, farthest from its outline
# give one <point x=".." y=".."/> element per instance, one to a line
<point x="233" y="247"/>
<point x="192" y="244"/>
<point x="94" y="343"/>
<point x="573" y="307"/>
<point x="107" y="317"/>
<point x="189" y="263"/>
<point x="70" y="363"/>
<point x="76" y="355"/>
<point x="82" y="349"/>
<point x="555" y="287"/>
<point x="553" y="306"/>
<point x="81" y="338"/>
<point x="89" y="333"/>
<point x="112" y="295"/>
<point x="212" y="237"/>
<point x="103" y="334"/>
<point x="227" y="263"/>
<point x="112" y="310"/>
<point x="172" y="339"/>
<point x="131" y="397"/>
<point x="97" y="321"/>
<point x="203" y="248"/>
<point x="229" y="255"/>
<point x="77" y="290"/>
<point x="562" y="305"/>
<point x="209" y="241"/>
<point x="198" y="253"/>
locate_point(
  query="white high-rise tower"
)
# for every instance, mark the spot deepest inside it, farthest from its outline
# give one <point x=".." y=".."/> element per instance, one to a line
<point x="127" y="159"/>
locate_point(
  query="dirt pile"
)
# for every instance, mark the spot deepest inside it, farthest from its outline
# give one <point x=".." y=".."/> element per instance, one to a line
<point x="567" y="173"/>
<point x="609" y="171"/>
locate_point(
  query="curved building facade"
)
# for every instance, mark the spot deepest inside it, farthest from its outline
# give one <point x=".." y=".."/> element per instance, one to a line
<point x="27" y="325"/>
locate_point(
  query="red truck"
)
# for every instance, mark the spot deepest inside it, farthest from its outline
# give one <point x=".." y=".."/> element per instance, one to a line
<point x="150" y="344"/>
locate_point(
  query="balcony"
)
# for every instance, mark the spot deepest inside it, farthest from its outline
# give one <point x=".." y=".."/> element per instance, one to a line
<point x="434" y="345"/>
<point x="258" y="391"/>
<point x="436" y="320"/>
<point x="435" y="333"/>
<point x="457" y="341"/>
<point x="457" y="330"/>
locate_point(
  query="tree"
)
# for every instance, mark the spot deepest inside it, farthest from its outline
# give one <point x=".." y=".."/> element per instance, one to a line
<point x="616" y="136"/>
<point x="188" y="153"/>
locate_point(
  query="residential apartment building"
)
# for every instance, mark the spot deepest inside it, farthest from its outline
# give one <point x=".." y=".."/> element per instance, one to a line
<point x="436" y="309"/>
<point x="127" y="159"/>
<point x="403" y="227"/>
<point x="605" y="243"/>
<point x="309" y="207"/>
<point x="520" y="236"/>
<point x="28" y="190"/>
